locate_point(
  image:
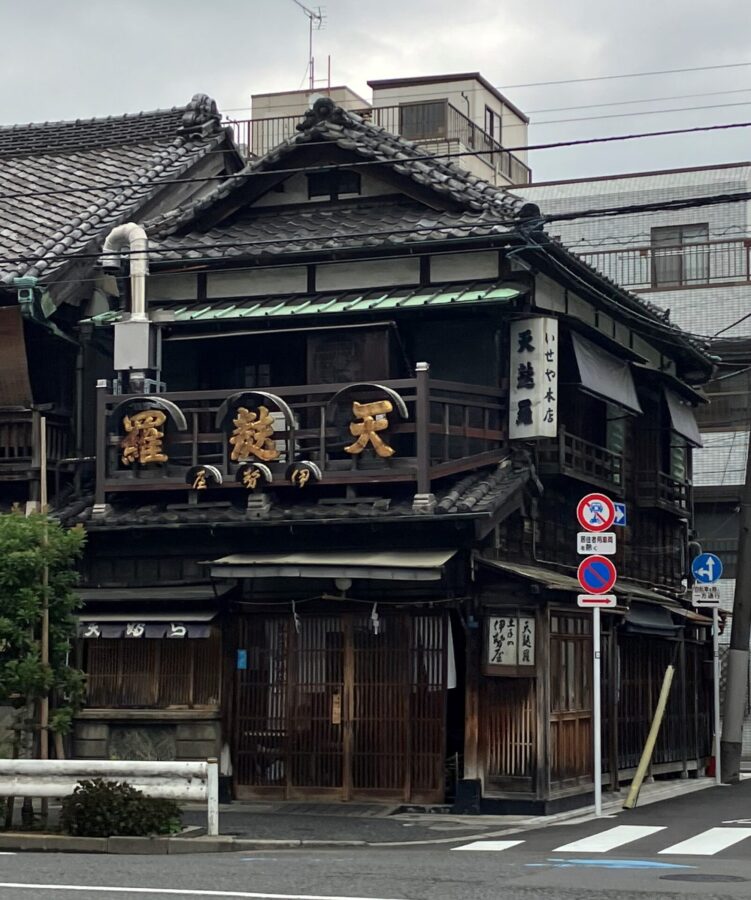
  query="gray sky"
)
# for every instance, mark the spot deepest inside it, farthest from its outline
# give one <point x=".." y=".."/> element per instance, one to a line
<point x="64" y="59"/>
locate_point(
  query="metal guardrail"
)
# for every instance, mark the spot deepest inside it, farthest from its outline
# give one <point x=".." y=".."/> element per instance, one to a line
<point x="166" y="780"/>
<point x="685" y="265"/>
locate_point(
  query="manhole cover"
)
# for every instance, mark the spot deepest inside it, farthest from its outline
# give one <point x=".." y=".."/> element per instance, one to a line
<point x="712" y="879"/>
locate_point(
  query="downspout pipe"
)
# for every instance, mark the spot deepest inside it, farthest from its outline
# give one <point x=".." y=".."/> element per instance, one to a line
<point x="133" y="238"/>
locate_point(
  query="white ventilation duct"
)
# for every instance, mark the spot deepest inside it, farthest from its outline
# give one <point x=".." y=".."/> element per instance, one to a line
<point x="132" y="237"/>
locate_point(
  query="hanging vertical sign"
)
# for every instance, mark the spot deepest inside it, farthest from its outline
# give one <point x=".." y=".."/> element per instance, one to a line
<point x="533" y="378"/>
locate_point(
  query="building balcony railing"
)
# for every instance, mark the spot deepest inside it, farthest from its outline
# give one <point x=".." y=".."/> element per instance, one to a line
<point x="573" y="456"/>
<point x="20" y="442"/>
<point x="664" y="268"/>
<point x="407" y="430"/>
<point x="662" y="491"/>
<point x="434" y="122"/>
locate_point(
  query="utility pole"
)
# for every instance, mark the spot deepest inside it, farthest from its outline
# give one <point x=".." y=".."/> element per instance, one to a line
<point x="740" y="634"/>
<point x="44" y="703"/>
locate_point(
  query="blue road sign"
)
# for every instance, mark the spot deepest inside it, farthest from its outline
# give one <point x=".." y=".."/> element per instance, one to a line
<point x="706" y="568"/>
<point x="596" y="574"/>
<point x="620" y="514"/>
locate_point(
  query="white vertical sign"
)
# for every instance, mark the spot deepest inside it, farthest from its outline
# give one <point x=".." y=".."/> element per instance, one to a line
<point x="533" y="378"/>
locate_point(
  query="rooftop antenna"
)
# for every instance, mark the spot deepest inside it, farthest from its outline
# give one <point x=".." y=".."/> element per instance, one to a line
<point x="316" y="21"/>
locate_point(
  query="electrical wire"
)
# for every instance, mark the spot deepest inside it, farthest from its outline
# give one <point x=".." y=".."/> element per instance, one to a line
<point x="507" y="87"/>
<point x="644" y="112"/>
<point x="632" y="102"/>
<point x="683" y="203"/>
<point x="361" y="164"/>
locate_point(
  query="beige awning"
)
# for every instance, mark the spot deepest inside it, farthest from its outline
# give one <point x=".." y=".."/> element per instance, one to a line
<point x="398" y="565"/>
<point x="556" y="581"/>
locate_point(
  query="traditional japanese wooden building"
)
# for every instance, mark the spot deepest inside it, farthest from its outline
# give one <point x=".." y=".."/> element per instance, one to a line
<point x="332" y="538"/>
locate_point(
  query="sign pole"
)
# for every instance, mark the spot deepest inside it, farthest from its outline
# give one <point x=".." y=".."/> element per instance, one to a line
<point x="716" y="686"/>
<point x="596" y="708"/>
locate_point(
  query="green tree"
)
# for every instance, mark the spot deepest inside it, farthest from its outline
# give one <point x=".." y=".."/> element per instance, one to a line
<point x="27" y="545"/>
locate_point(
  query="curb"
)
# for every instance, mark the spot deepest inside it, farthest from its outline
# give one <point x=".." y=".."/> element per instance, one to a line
<point x="194" y="843"/>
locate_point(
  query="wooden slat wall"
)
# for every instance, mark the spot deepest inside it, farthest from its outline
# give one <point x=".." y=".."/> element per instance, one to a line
<point x="153" y="673"/>
<point x="570" y="699"/>
<point x="354" y="713"/>
<point x="508" y="731"/>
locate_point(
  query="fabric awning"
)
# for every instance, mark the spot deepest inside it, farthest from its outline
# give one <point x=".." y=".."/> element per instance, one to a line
<point x="396" y="565"/>
<point x="650" y="619"/>
<point x="604" y="375"/>
<point x="552" y="580"/>
<point x="15" y="386"/>
<point x="146" y="595"/>
<point x="140" y="624"/>
<point x="682" y="418"/>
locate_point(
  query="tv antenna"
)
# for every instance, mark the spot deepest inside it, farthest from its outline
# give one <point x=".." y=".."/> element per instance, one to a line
<point x="316" y="21"/>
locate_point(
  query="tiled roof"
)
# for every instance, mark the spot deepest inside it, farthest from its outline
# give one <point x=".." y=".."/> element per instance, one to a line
<point x="479" y="494"/>
<point x="328" y="123"/>
<point x="332" y="303"/>
<point x="120" y="161"/>
<point x="319" y="227"/>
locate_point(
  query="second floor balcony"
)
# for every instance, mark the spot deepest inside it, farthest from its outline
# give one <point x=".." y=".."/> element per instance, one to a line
<point x="681" y="266"/>
<point x="436" y="124"/>
<point x="411" y="430"/>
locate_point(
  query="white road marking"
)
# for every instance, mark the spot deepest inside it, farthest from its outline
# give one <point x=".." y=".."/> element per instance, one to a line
<point x="610" y="839"/>
<point x="489" y="845"/>
<point x="172" y="892"/>
<point x="709" y="842"/>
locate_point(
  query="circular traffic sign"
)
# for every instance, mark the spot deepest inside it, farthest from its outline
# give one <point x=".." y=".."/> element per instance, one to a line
<point x="596" y="574"/>
<point x="706" y="568"/>
<point x="595" y="512"/>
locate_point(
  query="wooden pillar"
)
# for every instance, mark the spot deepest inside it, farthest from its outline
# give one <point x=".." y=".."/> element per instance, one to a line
<point x="614" y="677"/>
<point x="101" y="442"/>
<point x="684" y="704"/>
<point x="472" y="762"/>
<point x="542" y="664"/>
<point x="422" y="426"/>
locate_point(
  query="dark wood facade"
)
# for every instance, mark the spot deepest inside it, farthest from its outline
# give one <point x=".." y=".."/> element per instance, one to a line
<point x="318" y="669"/>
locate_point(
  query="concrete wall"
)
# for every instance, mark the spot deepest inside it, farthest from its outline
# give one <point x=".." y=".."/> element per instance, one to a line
<point x="144" y="736"/>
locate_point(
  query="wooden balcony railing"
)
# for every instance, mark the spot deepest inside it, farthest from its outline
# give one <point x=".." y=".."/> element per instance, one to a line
<point x="573" y="456"/>
<point x="687" y="265"/>
<point x="19" y="442"/>
<point x="429" y="122"/>
<point x="660" y="490"/>
<point x="435" y="428"/>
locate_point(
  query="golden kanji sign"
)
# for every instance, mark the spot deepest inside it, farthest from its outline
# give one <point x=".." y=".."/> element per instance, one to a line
<point x="253" y="434"/>
<point x="143" y="438"/>
<point x="373" y="419"/>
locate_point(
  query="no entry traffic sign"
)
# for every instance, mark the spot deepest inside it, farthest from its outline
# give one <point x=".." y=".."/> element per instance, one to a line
<point x="595" y="512"/>
<point x="597" y="574"/>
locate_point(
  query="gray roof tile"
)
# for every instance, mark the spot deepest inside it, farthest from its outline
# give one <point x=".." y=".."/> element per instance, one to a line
<point x="120" y="160"/>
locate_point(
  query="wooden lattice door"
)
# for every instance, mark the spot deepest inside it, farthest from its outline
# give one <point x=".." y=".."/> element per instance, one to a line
<point x="336" y="709"/>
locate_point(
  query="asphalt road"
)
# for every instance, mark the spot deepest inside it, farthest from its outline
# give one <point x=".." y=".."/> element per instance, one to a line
<point x="697" y="845"/>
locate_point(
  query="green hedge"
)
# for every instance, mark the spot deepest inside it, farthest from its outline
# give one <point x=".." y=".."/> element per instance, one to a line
<point x="100" y="808"/>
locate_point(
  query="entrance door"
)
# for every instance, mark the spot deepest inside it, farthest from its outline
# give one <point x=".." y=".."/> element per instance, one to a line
<point x="341" y="707"/>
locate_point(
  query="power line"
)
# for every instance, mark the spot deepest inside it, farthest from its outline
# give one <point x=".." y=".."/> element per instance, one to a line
<point x="392" y="161"/>
<point x="645" y="112"/>
<point x="528" y="84"/>
<point x="632" y="102"/>
<point x="481" y="222"/>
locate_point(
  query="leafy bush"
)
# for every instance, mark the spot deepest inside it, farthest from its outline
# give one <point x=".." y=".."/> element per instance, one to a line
<point x="100" y="808"/>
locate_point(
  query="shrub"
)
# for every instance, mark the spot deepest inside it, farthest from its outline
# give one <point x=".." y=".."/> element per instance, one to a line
<point x="100" y="808"/>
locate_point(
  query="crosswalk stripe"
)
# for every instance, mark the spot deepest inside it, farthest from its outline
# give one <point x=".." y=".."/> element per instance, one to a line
<point x="610" y="839"/>
<point x="709" y="842"/>
<point x="489" y="845"/>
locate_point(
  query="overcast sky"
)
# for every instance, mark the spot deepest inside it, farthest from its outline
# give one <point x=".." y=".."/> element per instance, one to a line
<point x="64" y="59"/>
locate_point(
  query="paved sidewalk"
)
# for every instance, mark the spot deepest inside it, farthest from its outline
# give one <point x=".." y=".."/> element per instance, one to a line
<point x="377" y="824"/>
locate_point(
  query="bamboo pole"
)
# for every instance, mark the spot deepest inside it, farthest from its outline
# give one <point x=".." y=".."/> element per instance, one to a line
<point x="649" y="747"/>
